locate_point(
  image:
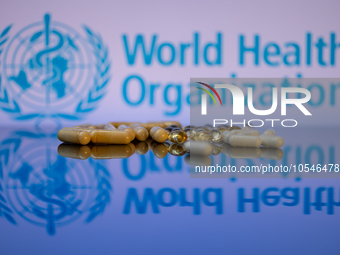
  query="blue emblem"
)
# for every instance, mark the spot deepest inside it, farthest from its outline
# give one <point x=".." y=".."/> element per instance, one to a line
<point x="49" y="70"/>
<point x="45" y="189"/>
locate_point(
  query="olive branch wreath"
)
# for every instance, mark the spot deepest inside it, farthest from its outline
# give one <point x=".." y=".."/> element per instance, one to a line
<point x="87" y="103"/>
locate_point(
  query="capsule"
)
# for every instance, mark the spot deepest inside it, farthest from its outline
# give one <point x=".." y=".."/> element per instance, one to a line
<point x="142" y="148"/>
<point x="225" y="136"/>
<point x="158" y="134"/>
<point x="141" y="133"/>
<point x="197" y="160"/>
<point x="272" y="141"/>
<point x="168" y="130"/>
<point x="244" y="141"/>
<point x="74" y="136"/>
<point x="198" y="148"/>
<point x="271" y="153"/>
<point x="128" y="129"/>
<point x="237" y="131"/>
<point x="216" y="150"/>
<point x="270" y="131"/>
<point x="202" y="135"/>
<point x="177" y="150"/>
<point x="177" y="136"/>
<point x="74" y="151"/>
<point x="110" y="136"/>
<point x="111" y="151"/>
<point x="250" y="132"/>
<point x="109" y="127"/>
<point x="148" y="126"/>
<point x="169" y="123"/>
<point x="216" y="135"/>
<point x="159" y="150"/>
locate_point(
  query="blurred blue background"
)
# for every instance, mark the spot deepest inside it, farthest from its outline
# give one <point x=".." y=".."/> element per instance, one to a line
<point x="64" y="63"/>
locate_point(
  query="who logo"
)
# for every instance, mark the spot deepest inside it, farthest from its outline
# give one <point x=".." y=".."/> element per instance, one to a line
<point x="49" y="70"/>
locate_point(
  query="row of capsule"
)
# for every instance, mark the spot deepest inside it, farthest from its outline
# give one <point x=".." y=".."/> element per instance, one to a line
<point x="196" y="150"/>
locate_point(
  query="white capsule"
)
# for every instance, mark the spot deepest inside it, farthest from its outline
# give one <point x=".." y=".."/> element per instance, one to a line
<point x="197" y="160"/>
<point x="198" y="148"/>
<point x="244" y="153"/>
<point x="225" y="136"/>
<point x="269" y="132"/>
<point x="271" y="153"/>
<point x="245" y="141"/>
<point x="272" y="141"/>
<point x="236" y="131"/>
<point x="250" y="132"/>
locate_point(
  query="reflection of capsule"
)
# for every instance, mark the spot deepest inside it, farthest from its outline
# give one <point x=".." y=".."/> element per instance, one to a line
<point x="141" y="147"/>
<point x="197" y="160"/>
<point x="177" y="149"/>
<point x="240" y="152"/>
<point x="159" y="149"/>
<point x="271" y="153"/>
<point x="111" y="151"/>
<point x="198" y="148"/>
<point x="74" y="151"/>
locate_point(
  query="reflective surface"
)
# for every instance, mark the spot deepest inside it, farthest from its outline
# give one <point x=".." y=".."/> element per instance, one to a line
<point x="144" y="204"/>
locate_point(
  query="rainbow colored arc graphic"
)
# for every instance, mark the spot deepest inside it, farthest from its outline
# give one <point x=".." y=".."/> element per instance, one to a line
<point x="209" y="93"/>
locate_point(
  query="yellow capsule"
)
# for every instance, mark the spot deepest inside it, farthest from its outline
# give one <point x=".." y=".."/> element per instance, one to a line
<point x="74" y="136"/>
<point x="203" y="135"/>
<point x="110" y="136"/>
<point x="158" y="134"/>
<point x="101" y="126"/>
<point x="141" y="133"/>
<point x="216" y="135"/>
<point x="177" y="136"/>
<point x="177" y="150"/>
<point x="216" y="149"/>
<point x="159" y="150"/>
<point x="234" y="127"/>
<point x="128" y="129"/>
<point x="117" y="124"/>
<point x="272" y="141"/>
<point x="169" y="123"/>
<point x="111" y="151"/>
<point x="133" y="148"/>
<point x="74" y="151"/>
<point x="148" y="126"/>
<point x="109" y="127"/>
<point x="142" y="148"/>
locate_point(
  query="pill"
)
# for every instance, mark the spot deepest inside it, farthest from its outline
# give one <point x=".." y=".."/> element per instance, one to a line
<point x="269" y="132"/>
<point x="272" y="141"/>
<point x="109" y="127"/>
<point x="150" y="125"/>
<point x="158" y="134"/>
<point x="244" y="152"/>
<point x="101" y="126"/>
<point x="177" y="149"/>
<point x="197" y="160"/>
<point x="128" y="129"/>
<point x="198" y="148"/>
<point x="244" y="141"/>
<point x="225" y="136"/>
<point x="133" y="148"/>
<point x="250" y="132"/>
<point x="110" y="151"/>
<point x="169" y="123"/>
<point x="234" y="127"/>
<point x="203" y="135"/>
<point x="168" y="130"/>
<point x="74" y="151"/>
<point x="177" y="136"/>
<point x="216" y="135"/>
<point x="141" y="148"/>
<point x="216" y="150"/>
<point x="141" y="133"/>
<point x="271" y="153"/>
<point x="110" y="136"/>
<point x="159" y="150"/>
<point x="74" y="136"/>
